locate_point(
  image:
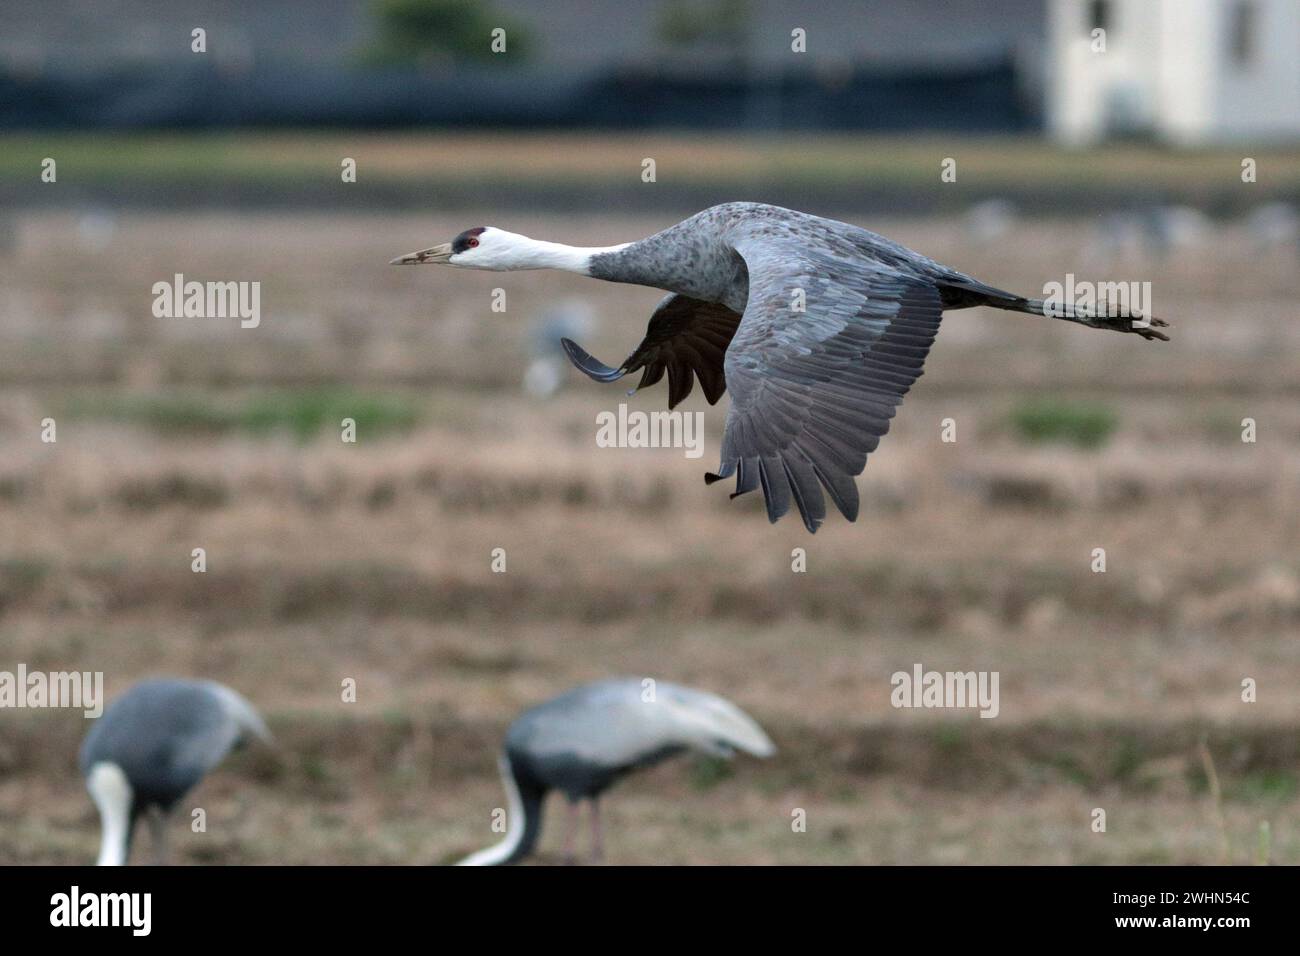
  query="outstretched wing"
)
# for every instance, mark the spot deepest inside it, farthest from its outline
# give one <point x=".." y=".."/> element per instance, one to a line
<point x="813" y="391"/>
<point x="687" y="337"/>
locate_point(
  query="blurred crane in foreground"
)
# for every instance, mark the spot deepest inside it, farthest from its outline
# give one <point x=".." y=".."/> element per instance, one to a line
<point x="583" y="741"/>
<point x="151" y="746"/>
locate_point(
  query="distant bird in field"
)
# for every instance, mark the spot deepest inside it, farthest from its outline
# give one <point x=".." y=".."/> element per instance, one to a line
<point x="96" y="229"/>
<point x="547" y="368"/>
<point x="990" y="220"/>
<point x="817" y="327"/>
<point x="151" y="746"/>
<point x="583" y="741"/>
<point x="1274" y="224"/>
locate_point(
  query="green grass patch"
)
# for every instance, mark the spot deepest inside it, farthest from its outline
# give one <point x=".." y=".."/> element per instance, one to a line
<point x="707" y="772"/>
<point x="1071" y="768"/>
<point x="1221" y="425"/>
<point x="301" y="414"/>
<point x="20" y="578"/>
<point x="1084" y="425"/>
<point x="1267" y="784"/>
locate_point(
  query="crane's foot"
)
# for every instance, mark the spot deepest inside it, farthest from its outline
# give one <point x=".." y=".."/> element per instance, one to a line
<point x="1149" y="329"/>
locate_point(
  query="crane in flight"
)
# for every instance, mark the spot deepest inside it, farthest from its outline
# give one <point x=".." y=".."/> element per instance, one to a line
<point x="818" y="328"/>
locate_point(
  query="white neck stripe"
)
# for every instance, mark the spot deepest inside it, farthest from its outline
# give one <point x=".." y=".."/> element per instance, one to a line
<point x="515" y="823"/>
<point x="112" y="794"/>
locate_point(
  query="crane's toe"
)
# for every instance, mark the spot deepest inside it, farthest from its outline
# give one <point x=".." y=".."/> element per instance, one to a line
<point x="1149" y="331"/>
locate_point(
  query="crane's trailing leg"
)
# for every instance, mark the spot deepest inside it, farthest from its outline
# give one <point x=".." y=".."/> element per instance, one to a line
<point x="1109" y="316"/>
<point x="158" y="834"/>
<point x="569" y="854"/>
<point x="1149" y="329"/>
<point x="597" y="838"/>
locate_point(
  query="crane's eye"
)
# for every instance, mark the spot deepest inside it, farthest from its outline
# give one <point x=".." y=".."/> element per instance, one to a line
<point x="473" y="243"/>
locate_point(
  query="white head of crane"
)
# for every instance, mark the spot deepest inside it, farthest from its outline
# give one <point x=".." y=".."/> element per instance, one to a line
<point x="495" y="250"/>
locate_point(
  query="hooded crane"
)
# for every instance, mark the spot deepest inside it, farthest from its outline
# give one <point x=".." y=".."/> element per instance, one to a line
<point x="151" y="746"/>
<point x="818" y="328"/>
<point x="583" y="741"/>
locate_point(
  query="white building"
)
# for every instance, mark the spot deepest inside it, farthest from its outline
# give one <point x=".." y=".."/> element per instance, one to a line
<point x="1187" y="71"/>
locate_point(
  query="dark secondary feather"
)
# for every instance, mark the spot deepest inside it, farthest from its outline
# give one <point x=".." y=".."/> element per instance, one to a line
<point x="687" y="338"/>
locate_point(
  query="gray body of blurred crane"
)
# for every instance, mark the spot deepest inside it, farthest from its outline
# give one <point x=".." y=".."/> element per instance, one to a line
<point x="582" y="742"/>
<point x="817" y="328"/>
<point x="151" y="746"/>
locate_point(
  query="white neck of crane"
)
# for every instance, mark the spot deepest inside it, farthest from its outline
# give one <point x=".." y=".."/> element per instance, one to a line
<point x="111" y="792"/>
<point x="515" y="823"/>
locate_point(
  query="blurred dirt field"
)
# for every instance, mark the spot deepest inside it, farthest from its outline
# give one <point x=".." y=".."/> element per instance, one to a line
<point x="371" y="561"/>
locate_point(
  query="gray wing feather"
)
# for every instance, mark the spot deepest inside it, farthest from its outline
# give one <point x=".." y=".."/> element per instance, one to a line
<point x="813" y="392"/>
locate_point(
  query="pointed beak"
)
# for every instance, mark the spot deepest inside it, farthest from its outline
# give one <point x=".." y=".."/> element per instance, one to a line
<point x="440" y="253"/>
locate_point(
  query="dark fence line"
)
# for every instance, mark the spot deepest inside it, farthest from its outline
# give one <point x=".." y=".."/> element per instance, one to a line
<point x="837" y="200"/>
<point x="203" y="96"/>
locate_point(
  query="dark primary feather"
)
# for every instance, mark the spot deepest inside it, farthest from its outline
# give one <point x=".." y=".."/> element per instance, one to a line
<point x="687" y="338"/>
